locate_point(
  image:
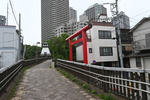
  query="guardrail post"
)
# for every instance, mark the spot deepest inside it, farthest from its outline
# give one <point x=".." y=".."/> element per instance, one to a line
<point x="124" y="89"/>
<point x="113" y="72"/>
<point x="88" y="74"/>
<point x="101" y="83"/>
<point x="105" y="79"/>
<point x="149" y="77"/>
<point x="120" y="82"/>
<point x="132" y="85"/>
<point x="128" y="89"/>
<point x="110" y="74"/>
<point x="137" y="85"/>
<point x="143" y="86"/>
<point x="117" y="83"/>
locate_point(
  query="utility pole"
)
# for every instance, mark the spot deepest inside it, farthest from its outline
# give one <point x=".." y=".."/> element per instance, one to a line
<point x="115" y="13"/>
<point x="37" y="51"/>
<point x="19" y="51"/>
<point x="7" y="13"/>
<point x="119" y="36"/>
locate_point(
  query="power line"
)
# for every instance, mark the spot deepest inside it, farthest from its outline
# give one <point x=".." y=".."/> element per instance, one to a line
<point x="13" y="12"/>
<point x="9" y="41"/>
<point x="141" y="13"/>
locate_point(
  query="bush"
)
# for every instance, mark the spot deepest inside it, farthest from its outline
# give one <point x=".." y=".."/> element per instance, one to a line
<point x="102" y="96"/>
<point x="50" y="66"/>
<point x="67" y="75"/>
<point x="85" y="86"/>
<point x="93" y="92"/>
<point x="108" y="96"/>
<point x="73" y="79"/>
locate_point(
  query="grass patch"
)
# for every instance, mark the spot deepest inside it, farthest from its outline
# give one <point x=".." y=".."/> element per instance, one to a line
<point x="73" y="79"/>
<point x="12" y="92"/>
<point x="107" y="96"/>
<point x="50" y="66"/>
<point x="67" y="74"/>
<point x="102" y="96"/>
<point x="86" y="86"/>
<point x="93" y="92"/>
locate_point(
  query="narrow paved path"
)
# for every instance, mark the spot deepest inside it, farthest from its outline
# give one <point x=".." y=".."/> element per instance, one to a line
<point x="43" y="83"/>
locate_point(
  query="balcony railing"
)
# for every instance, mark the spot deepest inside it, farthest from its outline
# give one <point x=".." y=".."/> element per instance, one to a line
<point x="143" y="44"/>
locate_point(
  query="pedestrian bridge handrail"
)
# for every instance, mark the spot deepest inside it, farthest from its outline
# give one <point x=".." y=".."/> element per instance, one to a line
<point x="8" y="74"/>
<point x="127" y="82"/>
<point x="109" y="68"/>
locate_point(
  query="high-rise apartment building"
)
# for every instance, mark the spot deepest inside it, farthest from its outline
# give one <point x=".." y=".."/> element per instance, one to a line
<point x="72" y="13"/>
<point x="124" y="21"/>
<point x="53" y="14"/>
<point x="94" y="11"/>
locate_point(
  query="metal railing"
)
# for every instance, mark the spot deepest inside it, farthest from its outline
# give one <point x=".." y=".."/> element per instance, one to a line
<point x="131" y="83"/>
<point x="8" y="74"/>
<point x="142" y="44"/>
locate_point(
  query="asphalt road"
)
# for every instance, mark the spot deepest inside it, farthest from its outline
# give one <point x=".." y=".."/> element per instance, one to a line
<point x="43" y="83"/>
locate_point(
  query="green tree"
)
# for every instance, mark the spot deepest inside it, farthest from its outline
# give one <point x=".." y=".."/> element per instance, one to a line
<point x="59" y="47"/>
<point x="31" y="51"/>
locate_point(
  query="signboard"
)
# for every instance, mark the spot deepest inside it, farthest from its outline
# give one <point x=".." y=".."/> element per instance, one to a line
<point x="94" y="62"/>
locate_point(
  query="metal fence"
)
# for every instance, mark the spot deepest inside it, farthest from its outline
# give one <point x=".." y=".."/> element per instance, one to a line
<point x="8" y="74"/>
<point x="130" y="83"/>
<point x="142" y="44"/>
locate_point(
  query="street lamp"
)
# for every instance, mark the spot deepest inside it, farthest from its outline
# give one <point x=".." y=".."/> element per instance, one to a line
<point x="37" y="51"/>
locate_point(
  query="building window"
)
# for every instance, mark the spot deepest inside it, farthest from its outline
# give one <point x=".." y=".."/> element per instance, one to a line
<point x="106" y="51"/>
<point x="138" y="62"/>
<point x="90" y="50"/>
<point x="104" y="34"/>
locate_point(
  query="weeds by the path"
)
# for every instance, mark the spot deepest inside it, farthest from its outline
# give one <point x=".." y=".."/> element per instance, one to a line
<point x="85" y="86"/>
<point x="12" y="92"/>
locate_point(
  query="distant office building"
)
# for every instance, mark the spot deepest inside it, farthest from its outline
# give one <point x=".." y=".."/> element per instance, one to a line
<point x="94" y="11"/>
<point x="53" y="14"/>
<point x="70" y="28"/>
<point x="124" y="21"/>
<point x="83" y="17"/>
<point x="2" y="20"/>
<point x="72" y="13"/>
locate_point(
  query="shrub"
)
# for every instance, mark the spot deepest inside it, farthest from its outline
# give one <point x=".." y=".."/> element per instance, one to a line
<point x="108" y="96"/>
<point x="67" y="75"/>
<point x="50" y="66"/>
<point x="73" y="79"/>
<point x="102" y="96"/>
<point x="85" y="86"/>
<point x="93" y="92"/>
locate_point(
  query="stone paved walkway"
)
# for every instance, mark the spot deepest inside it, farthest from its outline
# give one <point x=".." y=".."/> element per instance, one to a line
<point x="43" y="83"/>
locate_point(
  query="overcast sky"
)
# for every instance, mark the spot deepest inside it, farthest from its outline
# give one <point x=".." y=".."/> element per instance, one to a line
<point x="31" y="13"/>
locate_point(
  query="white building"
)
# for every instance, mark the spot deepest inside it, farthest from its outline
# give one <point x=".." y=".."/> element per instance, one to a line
<point x="100" y="45"/>
<point x="45" y="50"/>
<point x="141" y="45"/>
<point x="71" y="27"/>
<point x="9" y="46"/>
